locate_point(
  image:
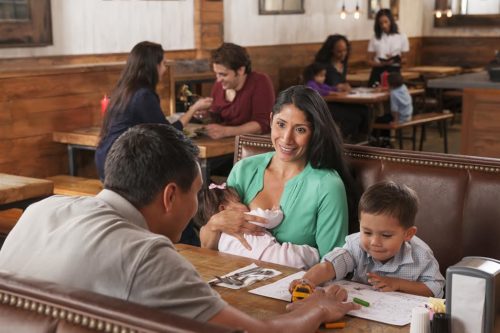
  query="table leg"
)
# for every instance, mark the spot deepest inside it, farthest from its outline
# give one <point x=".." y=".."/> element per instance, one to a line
<point x="205" y="171"/>
<point x="445" y="138"/>
<point x="71" y="160"/>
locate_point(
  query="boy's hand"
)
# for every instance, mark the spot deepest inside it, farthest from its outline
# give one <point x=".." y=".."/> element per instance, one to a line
<point x="295" y="282"/>
<point x="383" y="283"/>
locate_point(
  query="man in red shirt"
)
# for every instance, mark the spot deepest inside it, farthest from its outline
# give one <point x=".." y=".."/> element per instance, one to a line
<point x="242" y="99"/>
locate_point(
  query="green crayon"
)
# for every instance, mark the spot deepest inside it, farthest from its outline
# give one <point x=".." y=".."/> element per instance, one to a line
<point x="360" y="301"/>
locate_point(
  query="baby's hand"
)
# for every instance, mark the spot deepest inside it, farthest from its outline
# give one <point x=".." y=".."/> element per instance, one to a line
<point x="296" y="282"/>
<point x="383" y="283"/>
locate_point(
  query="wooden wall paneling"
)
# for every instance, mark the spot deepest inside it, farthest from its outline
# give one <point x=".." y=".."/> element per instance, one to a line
<point x="36" y="102"/>
<point x="458" y="51"/>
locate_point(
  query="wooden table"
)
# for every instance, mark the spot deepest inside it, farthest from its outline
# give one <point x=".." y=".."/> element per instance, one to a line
<point x="368" y="99"/>
<point x="209" y="263"/>
<point x="361" y="78"/>
<point x="435" y="71"/>
<point x="14" y="190"/>
<point x="88" y="138"/>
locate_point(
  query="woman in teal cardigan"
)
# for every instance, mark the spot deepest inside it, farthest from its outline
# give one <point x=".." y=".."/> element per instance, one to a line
<point x="306" y="176"/>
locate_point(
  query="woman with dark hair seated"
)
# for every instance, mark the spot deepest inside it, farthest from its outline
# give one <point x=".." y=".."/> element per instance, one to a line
<point x="306" y="176"/>
<point x="353" y="119"/>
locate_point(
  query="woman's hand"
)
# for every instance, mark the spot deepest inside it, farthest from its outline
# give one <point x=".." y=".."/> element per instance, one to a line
<point x="234" y="223"/>
<point x="202" y="104"/>
<point x="344" y="87"/>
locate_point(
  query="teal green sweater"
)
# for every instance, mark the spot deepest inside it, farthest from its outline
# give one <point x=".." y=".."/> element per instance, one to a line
<point x="314" y="203"/>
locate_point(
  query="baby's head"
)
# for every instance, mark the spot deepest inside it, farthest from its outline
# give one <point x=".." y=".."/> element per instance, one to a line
<point x="315" y="71"/>
<point x="387" y="214"/>
<point x="216" y="198"/>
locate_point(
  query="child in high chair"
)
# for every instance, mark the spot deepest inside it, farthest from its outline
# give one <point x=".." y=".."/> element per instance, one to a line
<point x="263" y="247"/>
<point x="314" y="77"/>
<point x="385" y="253"/>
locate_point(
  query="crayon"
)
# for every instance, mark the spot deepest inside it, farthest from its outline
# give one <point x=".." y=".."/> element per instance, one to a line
<point x="360" y="301"/>
<point x="339" y="324"/>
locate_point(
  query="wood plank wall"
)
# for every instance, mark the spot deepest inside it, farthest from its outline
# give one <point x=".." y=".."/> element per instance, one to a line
<point x="36" y="102"/>
<point x="458" y="51"/>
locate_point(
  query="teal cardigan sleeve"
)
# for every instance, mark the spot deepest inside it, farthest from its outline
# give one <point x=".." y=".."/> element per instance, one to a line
<point x="332" y="219"/>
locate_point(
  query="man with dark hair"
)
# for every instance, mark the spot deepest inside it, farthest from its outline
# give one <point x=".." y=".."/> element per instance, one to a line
<point x="242" y="99"/>
<point x="120" y="242"/>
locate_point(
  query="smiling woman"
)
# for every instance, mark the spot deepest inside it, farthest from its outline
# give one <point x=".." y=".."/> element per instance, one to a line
<point x="306" y="176"/>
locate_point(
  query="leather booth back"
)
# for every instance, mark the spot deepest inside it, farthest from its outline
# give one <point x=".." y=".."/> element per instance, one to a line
<point x="459" y="213"/>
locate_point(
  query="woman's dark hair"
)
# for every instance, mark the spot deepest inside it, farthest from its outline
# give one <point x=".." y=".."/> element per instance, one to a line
<point x="389" y="198"/>
<point x="312" y="70"/>
<point x="378" y="30"/>
<point x="141" y="71"/>
<point x="325" y="149"/>
<point x="209" y="201"/>
<point x="325" y="53"/>
<point x="232" y="56"/>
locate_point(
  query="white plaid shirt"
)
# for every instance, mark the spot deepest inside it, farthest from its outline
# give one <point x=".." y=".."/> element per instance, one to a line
<point x="414" y="262"/>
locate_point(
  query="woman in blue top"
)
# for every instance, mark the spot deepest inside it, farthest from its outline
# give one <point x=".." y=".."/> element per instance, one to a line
<point x="306" y="176"/>
<point x="134" y="100"/>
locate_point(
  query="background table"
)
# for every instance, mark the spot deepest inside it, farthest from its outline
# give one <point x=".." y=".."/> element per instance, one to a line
<point x="209" y="263"/>
<point x="18" y="191"/>
<point x="88" y="138"/>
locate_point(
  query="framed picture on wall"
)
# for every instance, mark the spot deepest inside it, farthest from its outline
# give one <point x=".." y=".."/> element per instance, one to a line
<point x="25" y="23"/>
<point x="279" y="7"/>
<point x="375" y="5"/>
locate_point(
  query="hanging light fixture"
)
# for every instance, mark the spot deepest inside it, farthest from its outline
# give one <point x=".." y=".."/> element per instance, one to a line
<point x="356" y="13"/>
<point x="449" y="13"/>
<point x="343" y="13"/>
<point x="438" y="13"/>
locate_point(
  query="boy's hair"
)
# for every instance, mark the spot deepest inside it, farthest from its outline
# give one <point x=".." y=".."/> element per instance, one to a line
<point x="312" y="70"/>
<point x="210" y="200"/>
<point x="389" y="198"/>
<point x="395" y="80"/>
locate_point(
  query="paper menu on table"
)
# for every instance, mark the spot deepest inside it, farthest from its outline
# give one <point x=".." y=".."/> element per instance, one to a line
<point x="387" y="307"/>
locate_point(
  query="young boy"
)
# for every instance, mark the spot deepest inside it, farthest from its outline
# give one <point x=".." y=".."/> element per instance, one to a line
<point x="385" y="253"/>
<point x="314" y="77"/>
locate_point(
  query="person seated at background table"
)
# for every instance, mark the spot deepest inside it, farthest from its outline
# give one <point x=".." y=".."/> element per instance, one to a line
<point x="265" y="247"/>
<point x="120" y="242"/>
<point x="306" y="177"/>
<point x="387" y="48"/>
<point x="242" y="98"/>
<point x="354" y="119"/>
<point x="314" y="77"/>
<point x="386" y="253"/>
<point x="401" y="107"/>
<point x="134" y="99"/>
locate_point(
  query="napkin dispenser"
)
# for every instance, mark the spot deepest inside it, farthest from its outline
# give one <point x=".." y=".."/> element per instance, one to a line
<point x="473" y="295"/>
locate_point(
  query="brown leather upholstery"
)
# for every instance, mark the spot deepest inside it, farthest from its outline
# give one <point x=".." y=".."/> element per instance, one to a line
<point x="459" y="211"/>
<point x="28" y="305"/>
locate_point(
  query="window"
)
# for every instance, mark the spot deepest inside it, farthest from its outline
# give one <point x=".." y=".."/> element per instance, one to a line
<point x="25" y="23"/>
<point x="274" y="7"/>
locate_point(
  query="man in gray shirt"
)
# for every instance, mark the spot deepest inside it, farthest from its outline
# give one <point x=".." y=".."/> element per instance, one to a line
<point x="120" y="242"/>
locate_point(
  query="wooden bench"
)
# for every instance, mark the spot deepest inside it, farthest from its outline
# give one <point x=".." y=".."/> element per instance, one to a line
<point x="421" y="120"/>
<point x="72" y="185"/>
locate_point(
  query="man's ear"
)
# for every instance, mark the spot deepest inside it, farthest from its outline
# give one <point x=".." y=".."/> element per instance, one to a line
<point x="241" y="70"/>
<point x="169" y="193"/>
<point x="409" y="233"/>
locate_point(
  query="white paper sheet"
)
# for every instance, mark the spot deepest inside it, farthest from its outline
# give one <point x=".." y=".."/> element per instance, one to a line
<point x="387" y="307"/>
<point x="467" y="303"/>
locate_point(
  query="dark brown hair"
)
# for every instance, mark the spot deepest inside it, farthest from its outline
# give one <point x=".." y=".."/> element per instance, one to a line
<point x="141" y="71"/>
<point x="389" y="198"/>
<point x="232" y="56"/>
<point x="210" y="200"/>
<point x="395" y="80"/>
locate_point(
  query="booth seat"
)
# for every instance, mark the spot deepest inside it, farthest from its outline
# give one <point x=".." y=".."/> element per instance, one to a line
<point x="28" y="305"/>
<point x="459" y="213"/>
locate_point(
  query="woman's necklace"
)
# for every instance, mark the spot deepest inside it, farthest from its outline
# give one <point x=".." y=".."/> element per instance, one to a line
<point x="339" y="66"/>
